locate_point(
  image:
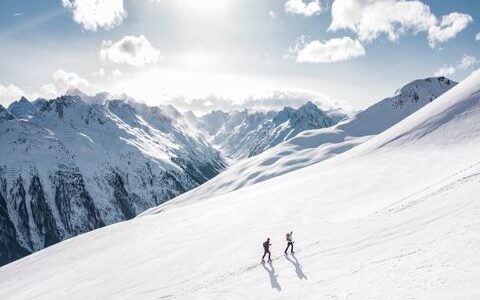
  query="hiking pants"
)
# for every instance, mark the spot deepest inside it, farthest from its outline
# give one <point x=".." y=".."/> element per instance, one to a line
<point x="265" y="253"/>
<point x="290" y="244"/>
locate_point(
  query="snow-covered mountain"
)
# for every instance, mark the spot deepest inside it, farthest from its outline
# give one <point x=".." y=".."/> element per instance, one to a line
<point x="394" y="218"/>
<point x="209" y="123"/>
<point x="240" y="134"/>
<point x="313" y="146"/>
<point x="71" y="167"/>
<point x="397" y="107"/>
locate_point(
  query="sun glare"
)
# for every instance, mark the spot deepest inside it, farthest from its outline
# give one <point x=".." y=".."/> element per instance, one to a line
<point x="155" y="85"/>
<point x="196" y="60"/>
<point x="207" y="5"/>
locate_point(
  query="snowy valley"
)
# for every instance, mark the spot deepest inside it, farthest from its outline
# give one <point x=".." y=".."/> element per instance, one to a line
<point x="384" y="211"/>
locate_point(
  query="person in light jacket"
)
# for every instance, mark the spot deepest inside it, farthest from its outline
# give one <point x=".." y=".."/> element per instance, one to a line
<point x="289" y="237"/>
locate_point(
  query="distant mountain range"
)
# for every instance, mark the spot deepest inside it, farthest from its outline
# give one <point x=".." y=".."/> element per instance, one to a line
<point x="240" y="134"/>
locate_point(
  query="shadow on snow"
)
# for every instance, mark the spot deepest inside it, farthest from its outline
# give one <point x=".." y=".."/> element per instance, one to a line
<point x="273" y="276"/>
<point x="298" y="266"/>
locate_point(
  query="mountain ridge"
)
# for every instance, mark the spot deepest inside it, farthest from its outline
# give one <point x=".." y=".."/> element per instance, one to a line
<point x="246" y="133"/>
<point x="72" y="167"/>
<point x="387" y="219"/>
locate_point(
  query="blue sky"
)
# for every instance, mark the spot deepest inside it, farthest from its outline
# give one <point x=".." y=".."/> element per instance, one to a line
<point x="179" y="50"/>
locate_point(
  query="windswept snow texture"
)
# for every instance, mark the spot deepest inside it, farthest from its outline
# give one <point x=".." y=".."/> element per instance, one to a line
<point x="241" y="134"/>
<point x="72" y="167"/>
<point x="313" y="146"/>
<point x="394" y="218"/>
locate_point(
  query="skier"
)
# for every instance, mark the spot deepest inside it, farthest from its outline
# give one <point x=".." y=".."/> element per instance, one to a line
<point x="266" y="249"/>
<point x="289" y="241"/>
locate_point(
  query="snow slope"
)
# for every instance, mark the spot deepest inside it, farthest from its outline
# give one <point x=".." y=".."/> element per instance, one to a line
<point x="394" y="218"/>
<point x="313" y="146"/>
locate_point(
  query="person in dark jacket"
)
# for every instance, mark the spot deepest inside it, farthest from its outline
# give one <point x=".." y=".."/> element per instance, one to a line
<point x="266" y="250"/>
<point x="289" y="241"/>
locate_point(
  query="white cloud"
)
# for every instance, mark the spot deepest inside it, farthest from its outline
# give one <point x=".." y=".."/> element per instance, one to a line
<point x="9" y="94"/>
<point x="477" y="37"/>
<point x="448" y="28"/>
<point x="64" y="81"/>
<point x="371" y="18"/>
<point x="102" y="72"/>
<point x="272" y="14"/>
<point x="465" y="63"/>
<point x="94" y="14"/>
<point x="445" y="71"/>
<point x="117" y="73"/>
<point x="268" y="100"/>
<point x="208" y="103"/>
<point x="130" y="50"/>
<point x="333" y="50"/>
<point x="299" y="7"/>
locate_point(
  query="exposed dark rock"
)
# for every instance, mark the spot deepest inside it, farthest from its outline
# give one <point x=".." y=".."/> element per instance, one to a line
<point x="42" y="214"/>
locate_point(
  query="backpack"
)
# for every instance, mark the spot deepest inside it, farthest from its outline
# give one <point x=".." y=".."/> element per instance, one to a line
<point x="287" y="237"/>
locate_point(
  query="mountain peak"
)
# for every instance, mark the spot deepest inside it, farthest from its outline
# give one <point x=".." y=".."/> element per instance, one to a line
<point x="59" y="104"/>
<point x="309" y="104"/>
<point x="430" y="83"/>
<point x="23" y="99"/>
<point x="311" y="108"/>
<point x="420" y="91"/>
<point x="76" y="92"/>
<point x="69" y="100"/>
<point x="22" y="107"/>
<point x="404" y="102"/>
